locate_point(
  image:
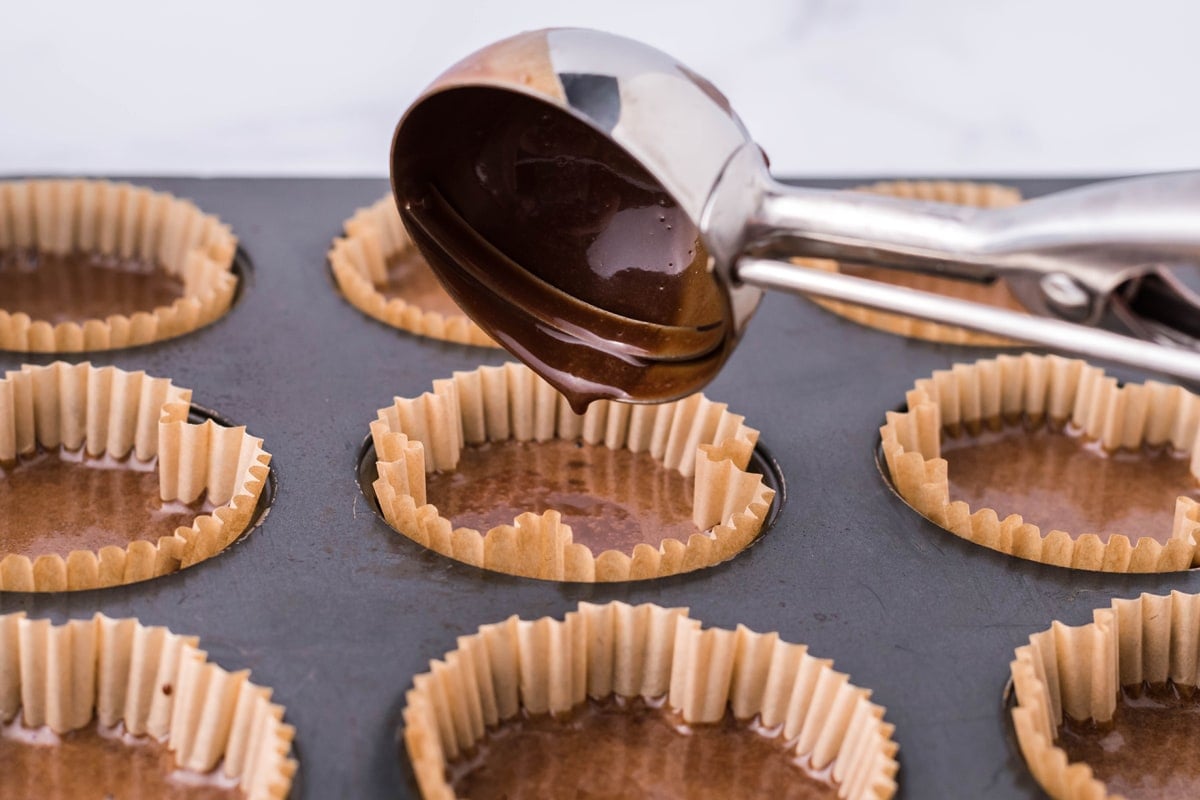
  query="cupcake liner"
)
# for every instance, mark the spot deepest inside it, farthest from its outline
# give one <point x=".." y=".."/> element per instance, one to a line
<point x="159" y="684"/>
<point x="549" y="666"/>
<point x="983" y="195"/>
<point x="695" y="436"/>
<point x="359" y="262"/>
<point x="1079" y="671"/>
<point x="1063" y="390"/>
<point x="129" y="414"/>
<point x="62" y="216"/>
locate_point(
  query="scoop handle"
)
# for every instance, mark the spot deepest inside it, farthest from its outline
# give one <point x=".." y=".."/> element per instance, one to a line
<point x="1065" y="336"/>
<point x="1097" y="234"/>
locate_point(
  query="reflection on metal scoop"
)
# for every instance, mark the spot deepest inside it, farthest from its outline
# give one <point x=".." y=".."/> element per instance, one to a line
<point x="601" y="211"/>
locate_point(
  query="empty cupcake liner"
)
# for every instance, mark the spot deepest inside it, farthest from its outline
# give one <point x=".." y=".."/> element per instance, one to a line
<point x="62" y="216"/>
<point x="359" y="262"/>
<point x="1063" y="390"/>
<point x="983" y="195"/>
<point x="694" y="436"/>
<point x="548" y="666"/>
<point x="158" y="683"/>
<point x="129" y="414"/>
<point x="1078" y="671"/>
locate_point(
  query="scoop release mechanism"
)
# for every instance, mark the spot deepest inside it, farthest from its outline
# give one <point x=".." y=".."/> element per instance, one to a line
<point x="601" y="211"/>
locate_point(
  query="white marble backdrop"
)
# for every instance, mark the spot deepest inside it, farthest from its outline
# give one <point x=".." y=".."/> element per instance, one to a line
<point x="829" y="87"/>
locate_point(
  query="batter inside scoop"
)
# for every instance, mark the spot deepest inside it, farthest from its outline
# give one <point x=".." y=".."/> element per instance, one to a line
<point x="57" y="501"/>
<point x="1151" y="747"/>
<point x="1057" y="479"/>
<point x="613" y="499"/>
<point x="75" y="287"/>
<point x="619" y="748"/>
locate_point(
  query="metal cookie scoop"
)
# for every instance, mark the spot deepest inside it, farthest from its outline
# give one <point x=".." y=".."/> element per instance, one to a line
<point x="600" y="210"/>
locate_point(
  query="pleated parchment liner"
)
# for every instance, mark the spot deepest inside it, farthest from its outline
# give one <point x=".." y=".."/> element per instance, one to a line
<point x="158" y="684"/>
<point x="1065" y="391"/>
<point x="117" y="219"/>
<point x="129" y="414"/>
<point x="1079" y="671"/>
<point x="695" y="436"/>
<point x="983" y="195"/>
<point x="549" y="666"/>
<point x="359" y="260"/>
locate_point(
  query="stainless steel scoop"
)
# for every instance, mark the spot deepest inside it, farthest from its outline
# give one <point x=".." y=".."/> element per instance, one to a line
<point x="518" y="170"/>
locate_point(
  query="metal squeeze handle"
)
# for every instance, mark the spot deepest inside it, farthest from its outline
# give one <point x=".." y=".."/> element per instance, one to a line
<point x="1067" y="336"/>
<point x="1063" y="255"/>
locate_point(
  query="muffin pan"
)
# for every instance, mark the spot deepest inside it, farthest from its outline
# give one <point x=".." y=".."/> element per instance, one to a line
<point x="134" y="433"/>
<point x="530" y="676"/>
<point x="623" y="492"/>
<point x="1108" y="709"/>
<point x="379" y="270"/>
<point x="133" y="705"/>
<point x="116" y="265"/>
<point x="337" y="612"/>
<point x="997" y="452"/>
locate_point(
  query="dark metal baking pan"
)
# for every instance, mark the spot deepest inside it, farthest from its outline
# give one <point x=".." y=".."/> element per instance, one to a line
<point x="762" y="462"/>
<point x="337" y="612"/>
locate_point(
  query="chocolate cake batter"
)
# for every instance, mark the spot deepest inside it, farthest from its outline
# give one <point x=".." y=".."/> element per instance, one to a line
<point x="1150" y="749"/>
<point x="80" y="286"/>
<point x="623" y="748"/>
<point x="410" y="279"/>
<point x="560" y="245"/>
<point x="612" y="499"/>
<point x="95" y="764"/>
<point x="58" y="501"/>
<point x="1057" y="480"/>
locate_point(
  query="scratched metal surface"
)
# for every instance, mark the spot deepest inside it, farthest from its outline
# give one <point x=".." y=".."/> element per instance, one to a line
<point x="337" y="612"/>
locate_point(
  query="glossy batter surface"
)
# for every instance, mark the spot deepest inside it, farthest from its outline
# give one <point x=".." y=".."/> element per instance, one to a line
<point x="625" y="748"/>
<point x="560" y="245"/>
<point x="1150" y="749"/>
<point x="1057" y="480"/>
<point x="98" y="764"/>
<point x="612" y="499"/>
<point x="80" y="286"/>
<point x="58" y="501"/>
